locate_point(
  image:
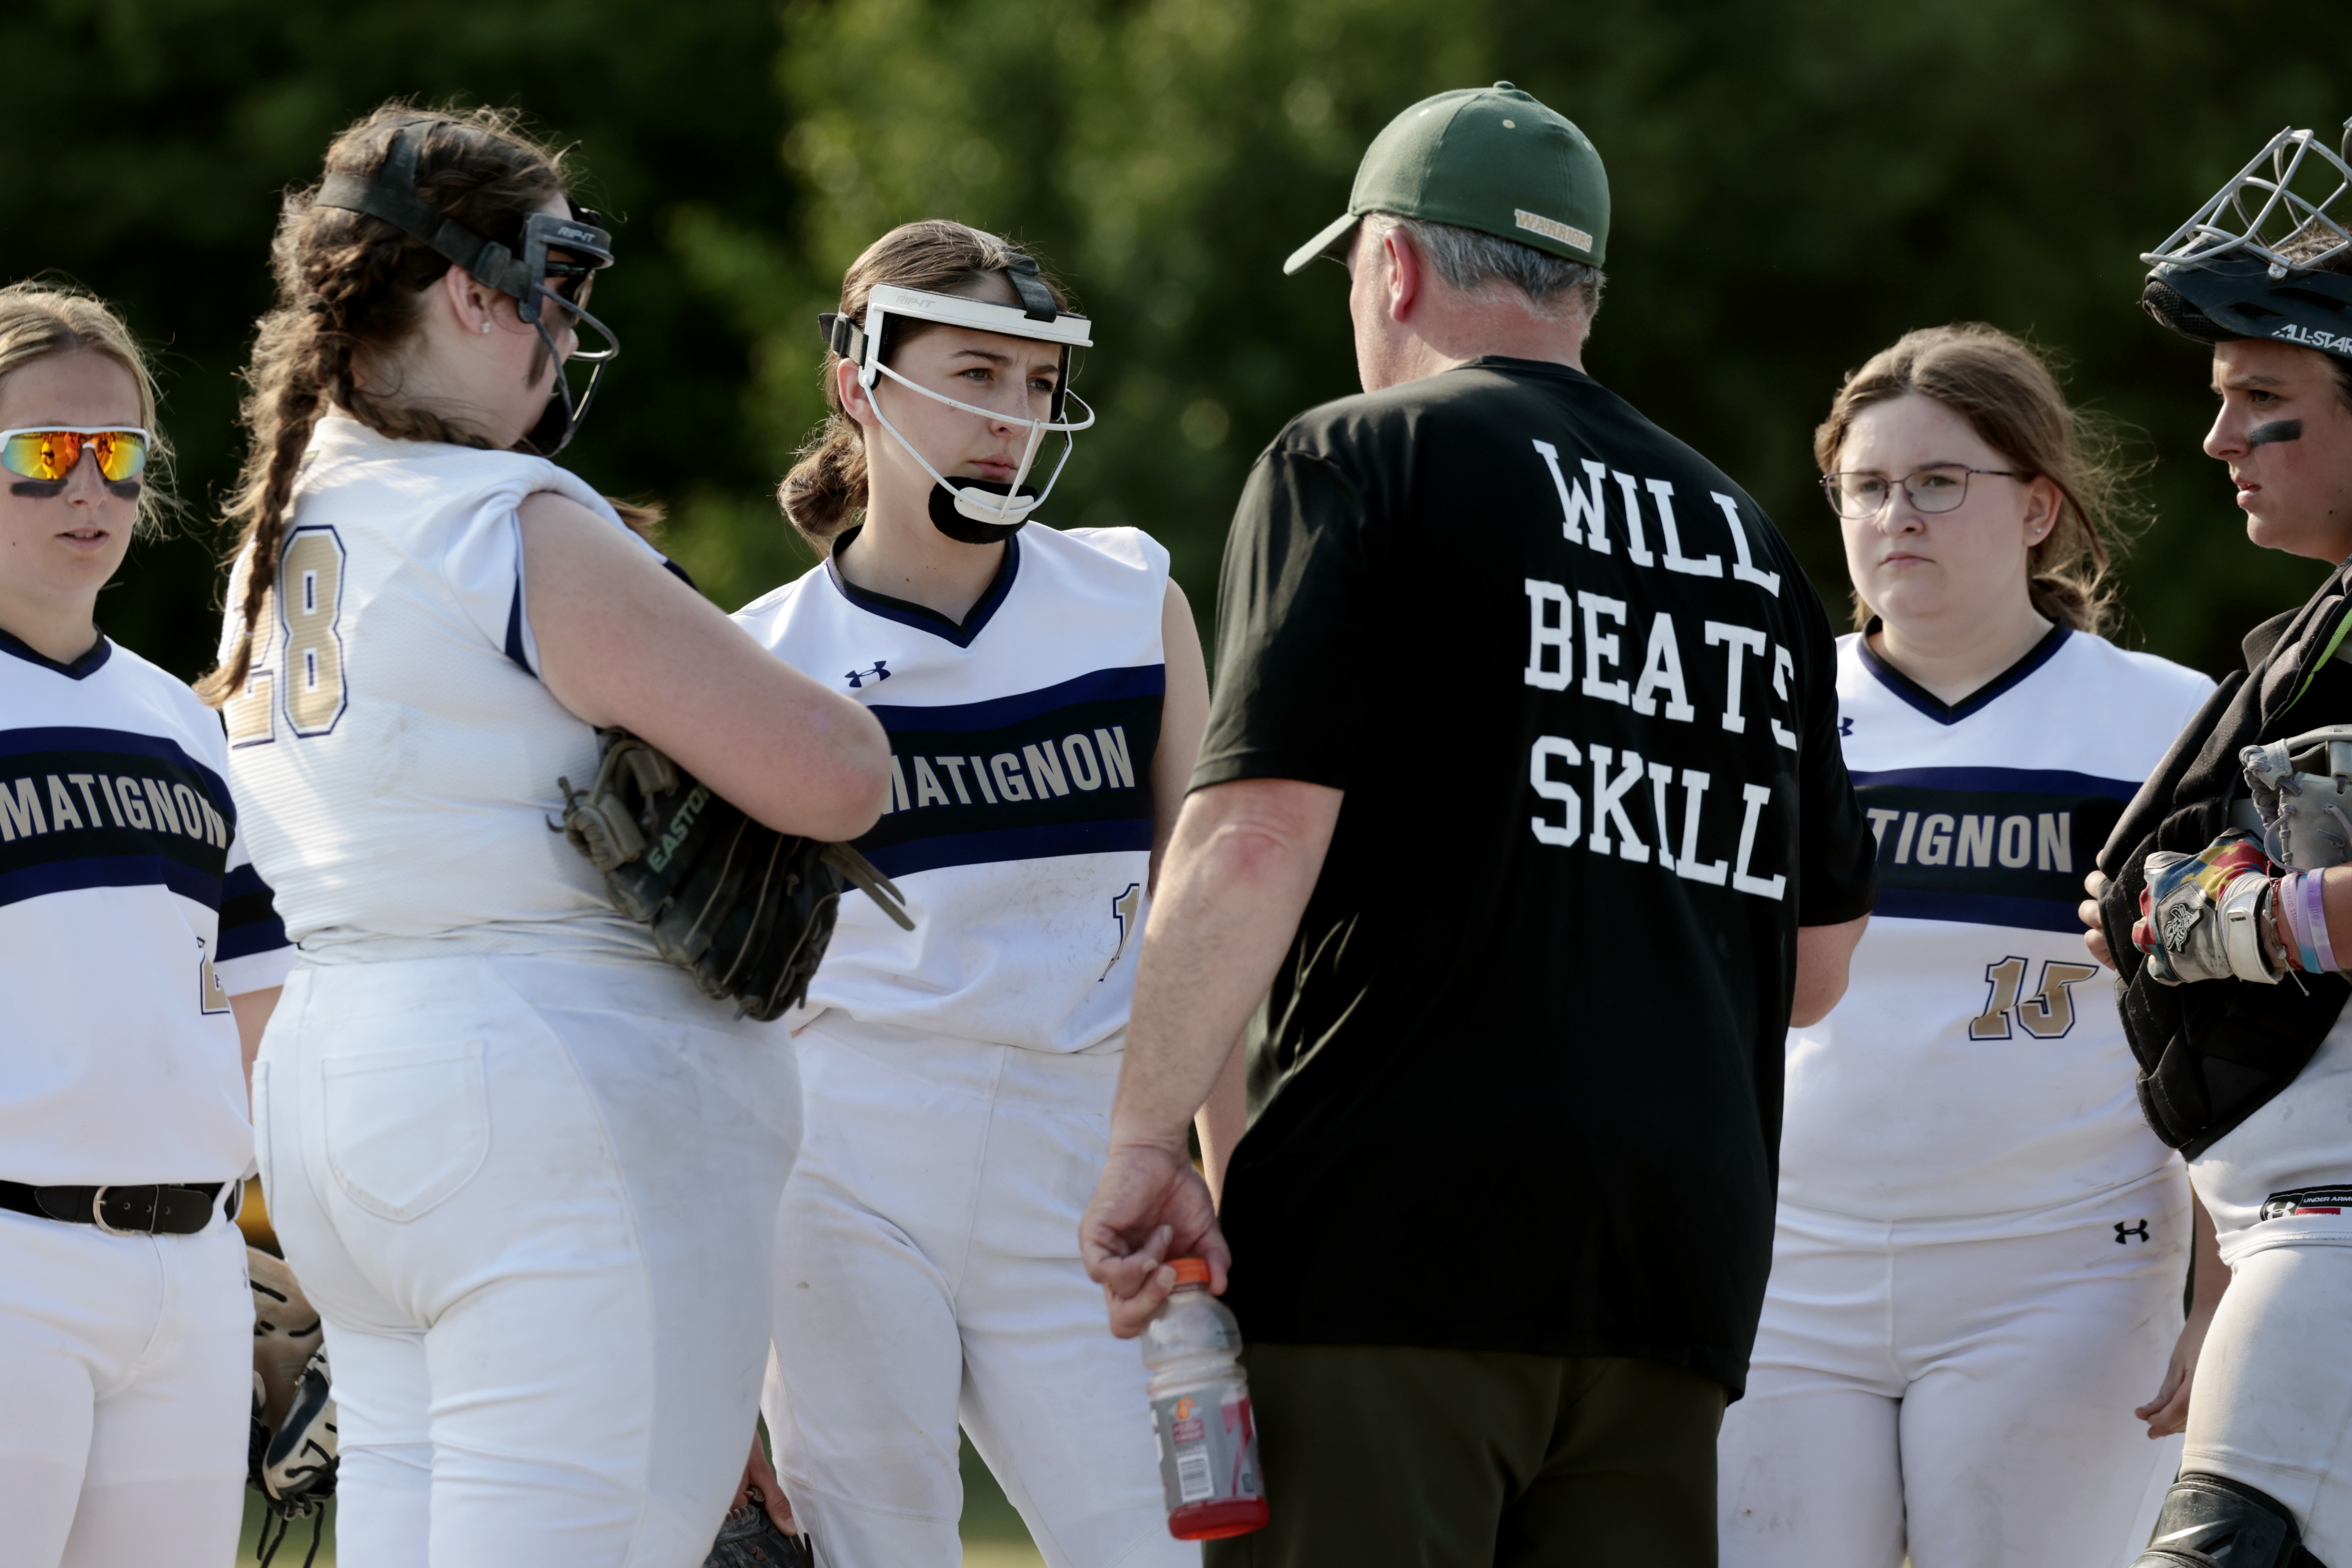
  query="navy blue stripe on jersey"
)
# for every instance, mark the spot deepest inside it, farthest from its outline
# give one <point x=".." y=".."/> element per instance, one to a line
<point x="1935" y="707"/>
<point x="249" y="923"/>
<point x="1063" y="770"/>
<point x="1041" y="843"/>
<point x="101" y="808"/>
<point x="39" y="879"/>
<point x="920" y="616"/>
<point x="74" y="737"/>
<point x="1979" y="908"/>
<point x="2012" y="781"/>
<point x="2005" y="847"/>
<point x="996" y="712"/>
<point x="91" y="661"/>
<point x="514" y="631"/>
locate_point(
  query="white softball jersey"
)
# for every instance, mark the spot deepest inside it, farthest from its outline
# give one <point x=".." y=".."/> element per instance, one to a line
<point x="1021" y="816"/>
<point x="1977" y="1065"/>
<point x="393" y="749"/>
<point x="130" y="914"/>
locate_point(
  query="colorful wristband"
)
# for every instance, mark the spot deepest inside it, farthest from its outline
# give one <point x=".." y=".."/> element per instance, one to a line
<point x="2315" y="934"/>
<point x="2294" y="920"/>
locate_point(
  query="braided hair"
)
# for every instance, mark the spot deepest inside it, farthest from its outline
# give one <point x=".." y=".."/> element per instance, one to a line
<point x="349" y="288"/>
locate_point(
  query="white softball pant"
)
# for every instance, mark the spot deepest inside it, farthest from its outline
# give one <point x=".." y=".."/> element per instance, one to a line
<point x="126" y="1389"/>
<point x="2272" y="1406"/>
<point x="1920" y="1386"/>
<point x="532" y="1198"/>
<point x="927" y="1272"/>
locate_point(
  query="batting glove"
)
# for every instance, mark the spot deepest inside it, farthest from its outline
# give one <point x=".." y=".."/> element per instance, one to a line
<point x="2207" y="916"/>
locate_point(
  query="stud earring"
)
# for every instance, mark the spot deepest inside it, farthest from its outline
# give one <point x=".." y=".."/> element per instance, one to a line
<point x="486" y="329"/>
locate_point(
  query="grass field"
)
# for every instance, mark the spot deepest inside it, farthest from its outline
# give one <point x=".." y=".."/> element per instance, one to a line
<point x="993" y="1536"/>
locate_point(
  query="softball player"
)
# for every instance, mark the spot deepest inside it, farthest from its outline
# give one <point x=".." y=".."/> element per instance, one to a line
<point x="1979" y="1253"/>
<point x="525" y="1171"/>
<point x="2244" y="1047"/>
<point x="137" y="946"/>
<point x="1043" y="693"/>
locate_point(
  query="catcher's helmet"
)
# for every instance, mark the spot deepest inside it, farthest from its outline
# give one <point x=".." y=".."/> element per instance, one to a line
<point x="389" y="195"/>
<point x="2261" y="258"/>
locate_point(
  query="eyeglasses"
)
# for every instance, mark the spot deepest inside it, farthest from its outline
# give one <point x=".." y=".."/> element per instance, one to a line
<point x="50" y="455"/>
<point x="1942" y="487"/>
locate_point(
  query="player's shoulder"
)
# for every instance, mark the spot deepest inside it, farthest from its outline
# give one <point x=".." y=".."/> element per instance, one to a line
<point x="130" y="692"/>
<point x="771" y="611"/>
<point x="440" y="485"/>
<point x="2089" y="657"/>
<point x="1128" y="549"/>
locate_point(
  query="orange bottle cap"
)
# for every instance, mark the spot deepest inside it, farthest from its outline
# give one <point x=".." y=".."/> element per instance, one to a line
<point x="1190" y="1270"/>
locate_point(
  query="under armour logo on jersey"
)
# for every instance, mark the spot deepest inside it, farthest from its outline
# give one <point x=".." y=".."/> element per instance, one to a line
<point x="1845" y="727"/>
<point x="2123" y="1233"/>
<point x="878" y="674"/>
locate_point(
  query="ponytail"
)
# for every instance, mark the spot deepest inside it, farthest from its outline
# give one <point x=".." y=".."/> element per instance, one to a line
<point x="826" y="491"/>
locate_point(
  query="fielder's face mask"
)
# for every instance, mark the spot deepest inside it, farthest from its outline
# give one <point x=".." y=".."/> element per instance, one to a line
<point x="2250" y="263"/>
<point x="537" y="282"/>
<point x="976" y="512"/>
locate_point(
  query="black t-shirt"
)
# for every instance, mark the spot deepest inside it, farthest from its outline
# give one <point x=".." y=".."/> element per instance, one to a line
<point x="1517" y="1084"/>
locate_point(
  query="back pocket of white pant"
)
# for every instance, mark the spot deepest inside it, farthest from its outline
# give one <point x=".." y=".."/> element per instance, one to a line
<point x="405" y="1129"/>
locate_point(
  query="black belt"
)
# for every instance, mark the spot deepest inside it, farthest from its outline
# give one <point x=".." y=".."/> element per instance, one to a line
<point x="178" y="1209"/>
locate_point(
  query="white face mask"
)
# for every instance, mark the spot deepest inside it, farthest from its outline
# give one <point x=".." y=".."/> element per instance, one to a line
<point x="976" y="512"/>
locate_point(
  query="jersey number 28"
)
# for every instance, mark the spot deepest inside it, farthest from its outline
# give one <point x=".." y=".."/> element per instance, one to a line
<point x="298" y="646"/>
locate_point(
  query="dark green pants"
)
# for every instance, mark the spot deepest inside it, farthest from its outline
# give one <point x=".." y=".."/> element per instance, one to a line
<point x="1379" y="1455"/>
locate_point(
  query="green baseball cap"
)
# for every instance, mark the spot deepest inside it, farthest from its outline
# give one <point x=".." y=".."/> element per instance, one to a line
<point x="1487" y="158"/>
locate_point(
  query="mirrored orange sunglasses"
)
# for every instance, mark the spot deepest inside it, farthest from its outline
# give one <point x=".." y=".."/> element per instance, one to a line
<point x="50" y="455"/>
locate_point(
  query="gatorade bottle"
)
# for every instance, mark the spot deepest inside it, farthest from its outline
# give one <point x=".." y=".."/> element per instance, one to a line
<point x="1201" y="1413"/>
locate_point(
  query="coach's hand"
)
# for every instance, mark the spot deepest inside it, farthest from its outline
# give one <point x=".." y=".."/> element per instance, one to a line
<point x="1150" y="1205"/>
<point x="2095" y="939"/>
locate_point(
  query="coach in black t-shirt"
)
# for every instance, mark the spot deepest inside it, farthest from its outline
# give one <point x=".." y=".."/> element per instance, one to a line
<point x="1519" y="834"/>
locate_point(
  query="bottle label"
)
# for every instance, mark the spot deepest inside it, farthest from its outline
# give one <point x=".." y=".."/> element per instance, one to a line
<point x="1208" y="1446"/>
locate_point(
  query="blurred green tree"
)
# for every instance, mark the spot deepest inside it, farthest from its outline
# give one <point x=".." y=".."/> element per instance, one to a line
<point x="1796" y="183"/>
<point x="155" y="136"/>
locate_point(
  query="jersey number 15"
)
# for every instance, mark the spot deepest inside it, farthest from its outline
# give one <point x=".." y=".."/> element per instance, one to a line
<point x="2046" y="1014"/>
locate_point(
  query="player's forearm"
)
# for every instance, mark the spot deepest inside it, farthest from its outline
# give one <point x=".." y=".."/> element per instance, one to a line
<point x="1236" y="879"/>
<point x="1825" y="964"/>
<point x="252" y="1010"/>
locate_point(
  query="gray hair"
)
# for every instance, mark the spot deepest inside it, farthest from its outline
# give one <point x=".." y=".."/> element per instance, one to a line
<point x="1476" y="263"/>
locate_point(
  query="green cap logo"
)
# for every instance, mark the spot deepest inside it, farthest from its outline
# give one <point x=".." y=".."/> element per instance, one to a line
<point x="1491" y="159"/>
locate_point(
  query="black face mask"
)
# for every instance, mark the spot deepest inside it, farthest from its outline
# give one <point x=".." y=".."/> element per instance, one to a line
<point x="390" y="196"/>
<point x="971" y="530"/>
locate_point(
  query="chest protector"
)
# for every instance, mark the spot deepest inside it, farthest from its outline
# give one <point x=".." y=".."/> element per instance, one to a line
<point x="2213" y="1053"/>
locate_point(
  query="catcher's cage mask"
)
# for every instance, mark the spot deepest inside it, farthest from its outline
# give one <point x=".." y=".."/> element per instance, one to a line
<point x="976" y="512"/>
<point x="2225" y="273"/>
<point x="391" y="195"/>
